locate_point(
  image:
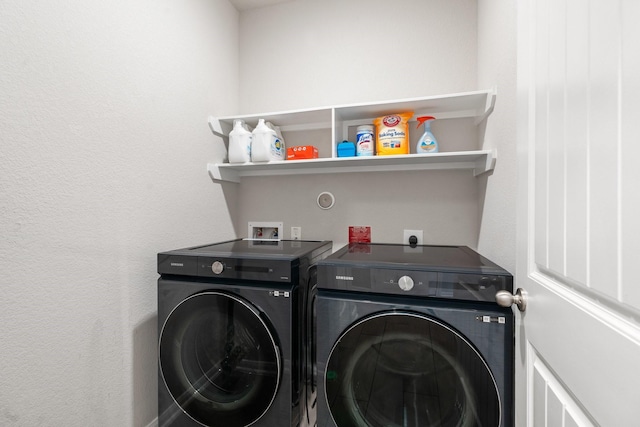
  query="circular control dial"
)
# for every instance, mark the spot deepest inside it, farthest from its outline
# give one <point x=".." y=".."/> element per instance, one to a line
<point x="405" y="283"/>
<point x="217" y="267"/>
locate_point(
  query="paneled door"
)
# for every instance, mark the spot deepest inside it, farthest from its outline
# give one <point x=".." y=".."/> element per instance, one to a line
<point x="578" y="342"/>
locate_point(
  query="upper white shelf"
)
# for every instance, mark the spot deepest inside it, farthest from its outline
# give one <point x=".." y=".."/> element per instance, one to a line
<point x="478" y="105"/>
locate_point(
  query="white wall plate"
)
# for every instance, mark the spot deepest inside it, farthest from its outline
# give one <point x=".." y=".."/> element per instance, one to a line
<point x="265" y="230"/>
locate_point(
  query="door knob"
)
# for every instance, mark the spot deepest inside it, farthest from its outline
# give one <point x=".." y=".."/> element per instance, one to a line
<point x="506" y="299"/>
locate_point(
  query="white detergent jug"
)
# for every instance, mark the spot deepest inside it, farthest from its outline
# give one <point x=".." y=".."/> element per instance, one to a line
<point x="278" y="134"/>
<point x="239" y="143"/>
<point x="265" y="144"/>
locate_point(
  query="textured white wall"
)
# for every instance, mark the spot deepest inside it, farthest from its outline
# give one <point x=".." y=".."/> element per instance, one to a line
<point x="306" y="54"/>
<point x="497" y="66"/>
<point x="310" y="53"/>
<point x="104" y="145"/>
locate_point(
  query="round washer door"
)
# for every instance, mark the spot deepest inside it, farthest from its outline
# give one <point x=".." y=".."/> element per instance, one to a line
<point x="219" y="360"/>
<point x="407" y="369"/>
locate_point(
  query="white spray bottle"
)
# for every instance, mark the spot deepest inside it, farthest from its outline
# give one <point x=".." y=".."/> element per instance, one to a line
<point x="427" y="142"/>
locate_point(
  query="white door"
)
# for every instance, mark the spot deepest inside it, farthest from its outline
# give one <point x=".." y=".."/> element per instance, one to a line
<point x="578" y="342"/>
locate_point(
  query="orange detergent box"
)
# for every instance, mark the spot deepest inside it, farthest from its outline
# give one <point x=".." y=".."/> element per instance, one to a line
<point x="301" y="152"/>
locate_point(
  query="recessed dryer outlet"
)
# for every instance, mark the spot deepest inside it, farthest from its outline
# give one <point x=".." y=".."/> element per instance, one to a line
<point x="407" y="235"/>
<point x="296" y="233"/>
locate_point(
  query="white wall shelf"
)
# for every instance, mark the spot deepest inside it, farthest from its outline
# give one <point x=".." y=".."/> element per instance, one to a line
<point x="477" y="105"/>
<point x="478" y="161"/>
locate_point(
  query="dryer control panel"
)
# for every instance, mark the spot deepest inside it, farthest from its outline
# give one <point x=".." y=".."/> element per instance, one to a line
<point x="445" y="272"/>
<point x="460" y="286"/>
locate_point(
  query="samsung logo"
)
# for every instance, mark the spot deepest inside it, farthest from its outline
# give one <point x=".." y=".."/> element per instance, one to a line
<point x="344" y="278"/>
<point x="177" y="264"/>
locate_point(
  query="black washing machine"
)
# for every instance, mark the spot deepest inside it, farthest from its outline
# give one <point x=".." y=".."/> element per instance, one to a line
<point x="411" y="336"/>
<point x="232" y="338"/>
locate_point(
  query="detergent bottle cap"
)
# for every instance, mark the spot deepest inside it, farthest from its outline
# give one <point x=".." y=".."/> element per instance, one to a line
<point x="423" y="119"/>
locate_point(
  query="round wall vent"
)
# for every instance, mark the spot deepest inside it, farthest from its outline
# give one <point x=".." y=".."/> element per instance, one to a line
<point x="326" y="200"/>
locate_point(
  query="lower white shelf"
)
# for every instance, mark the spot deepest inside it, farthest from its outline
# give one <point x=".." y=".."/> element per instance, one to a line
<point x="479" y="162"/>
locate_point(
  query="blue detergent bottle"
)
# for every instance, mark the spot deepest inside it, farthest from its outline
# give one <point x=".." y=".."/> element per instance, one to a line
<point x="427" y="142"/>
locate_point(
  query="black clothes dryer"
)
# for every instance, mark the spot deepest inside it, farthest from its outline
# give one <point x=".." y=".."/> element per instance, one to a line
<point x="232" y="336"/>
<point x="412" y="336"/>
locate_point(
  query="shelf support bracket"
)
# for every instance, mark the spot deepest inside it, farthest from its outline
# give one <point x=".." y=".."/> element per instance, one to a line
<point x="220" y="174"/>
<point x="486" y="164"/>
<point x="489" y="106"/>
<point x="214" y="125"/>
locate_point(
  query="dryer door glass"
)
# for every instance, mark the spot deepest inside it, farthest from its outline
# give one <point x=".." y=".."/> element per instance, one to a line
<point x="406" y="369"/>
<point x="219" y="360"/>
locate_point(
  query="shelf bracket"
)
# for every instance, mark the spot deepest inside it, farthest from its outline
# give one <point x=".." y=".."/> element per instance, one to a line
<point x="214" y="125"/>
<point x="489" y="105"/>
<point x="486" y="164"/>
<point x="219" y="174"/>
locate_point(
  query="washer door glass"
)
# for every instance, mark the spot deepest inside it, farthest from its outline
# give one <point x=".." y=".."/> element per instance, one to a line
<point x="219" y="360"/>
<point x="406" y="369"/>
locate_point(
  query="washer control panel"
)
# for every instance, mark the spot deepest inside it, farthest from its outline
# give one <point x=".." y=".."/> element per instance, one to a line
<point x="226" y="268"/>
<point x="246" y="269"/>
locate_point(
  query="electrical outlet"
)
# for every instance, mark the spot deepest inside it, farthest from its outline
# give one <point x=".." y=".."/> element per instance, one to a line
<point x="296" y="233"/>
<point x="408" y="233"/>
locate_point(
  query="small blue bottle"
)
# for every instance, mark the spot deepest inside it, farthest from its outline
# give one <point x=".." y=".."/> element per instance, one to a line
<point x="427" y="142"/>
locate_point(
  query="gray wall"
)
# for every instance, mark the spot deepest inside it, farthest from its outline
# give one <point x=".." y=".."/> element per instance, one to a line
<point x="335" y="52"/>
<point x="310" y="53"/>
<point x="104" y="143"/>
<point x="104" y="147"/>
<point x="497" y="66"/>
